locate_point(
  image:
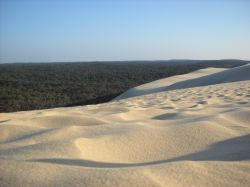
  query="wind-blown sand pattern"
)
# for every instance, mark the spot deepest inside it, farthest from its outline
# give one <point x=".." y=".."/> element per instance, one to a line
<point x="187" y="130"/>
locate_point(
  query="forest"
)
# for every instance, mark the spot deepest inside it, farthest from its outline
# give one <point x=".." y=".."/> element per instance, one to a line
<point x="29" y="86"/>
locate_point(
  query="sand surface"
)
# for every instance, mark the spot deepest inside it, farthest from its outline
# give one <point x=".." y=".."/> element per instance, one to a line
<point x="187" y="130"/>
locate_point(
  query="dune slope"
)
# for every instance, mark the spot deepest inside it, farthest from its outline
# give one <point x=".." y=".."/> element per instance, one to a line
<point x="194" y="135"/>
<point x="162" y="84"/>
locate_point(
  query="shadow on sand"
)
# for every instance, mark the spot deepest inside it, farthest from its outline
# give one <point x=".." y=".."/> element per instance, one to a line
<point x="234" y="149"/>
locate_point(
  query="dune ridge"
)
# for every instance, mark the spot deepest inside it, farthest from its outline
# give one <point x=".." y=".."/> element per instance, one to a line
<point x="203" y="77"/>
<point x="187" y="130"/>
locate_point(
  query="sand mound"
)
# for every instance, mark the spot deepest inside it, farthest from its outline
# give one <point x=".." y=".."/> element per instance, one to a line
<point x="197" y="136"/>
<point x="202" y="77"/>
<point x="231" y="75"/>
<point x="162" y="84"/>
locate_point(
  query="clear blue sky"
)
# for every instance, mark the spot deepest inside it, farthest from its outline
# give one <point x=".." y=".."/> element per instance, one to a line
<point x="86" y="30"/>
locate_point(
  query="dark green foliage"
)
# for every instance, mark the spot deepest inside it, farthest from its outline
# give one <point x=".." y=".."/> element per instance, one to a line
<point x="28" y="86"/>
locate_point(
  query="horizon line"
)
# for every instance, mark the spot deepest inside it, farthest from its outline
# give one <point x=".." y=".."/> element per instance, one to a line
<point x="103" y="61"/>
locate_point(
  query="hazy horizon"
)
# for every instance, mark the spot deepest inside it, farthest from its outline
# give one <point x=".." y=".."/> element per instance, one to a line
<point x="132" y="60"/>
<point x="103" y="61"/>
<point x="84" y="31"/>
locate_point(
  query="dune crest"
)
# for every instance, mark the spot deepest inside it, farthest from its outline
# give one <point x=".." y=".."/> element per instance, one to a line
<point x="187" y="130"/>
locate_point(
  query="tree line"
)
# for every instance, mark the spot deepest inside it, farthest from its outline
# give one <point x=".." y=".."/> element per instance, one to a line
<point x="29" y="86"/>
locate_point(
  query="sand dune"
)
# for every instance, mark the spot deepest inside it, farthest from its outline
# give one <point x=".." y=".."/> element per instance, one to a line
<point x="162" y="84"/>
<point x="201" y="77"/>
<point x="187" y="130"/>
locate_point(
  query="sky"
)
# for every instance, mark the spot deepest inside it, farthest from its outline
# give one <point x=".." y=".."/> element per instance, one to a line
<point x="103" y="30"/>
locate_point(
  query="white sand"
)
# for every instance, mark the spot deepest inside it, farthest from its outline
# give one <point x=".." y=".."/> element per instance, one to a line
<point x="195" y="134"/>
<point x="163" y="84"/>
